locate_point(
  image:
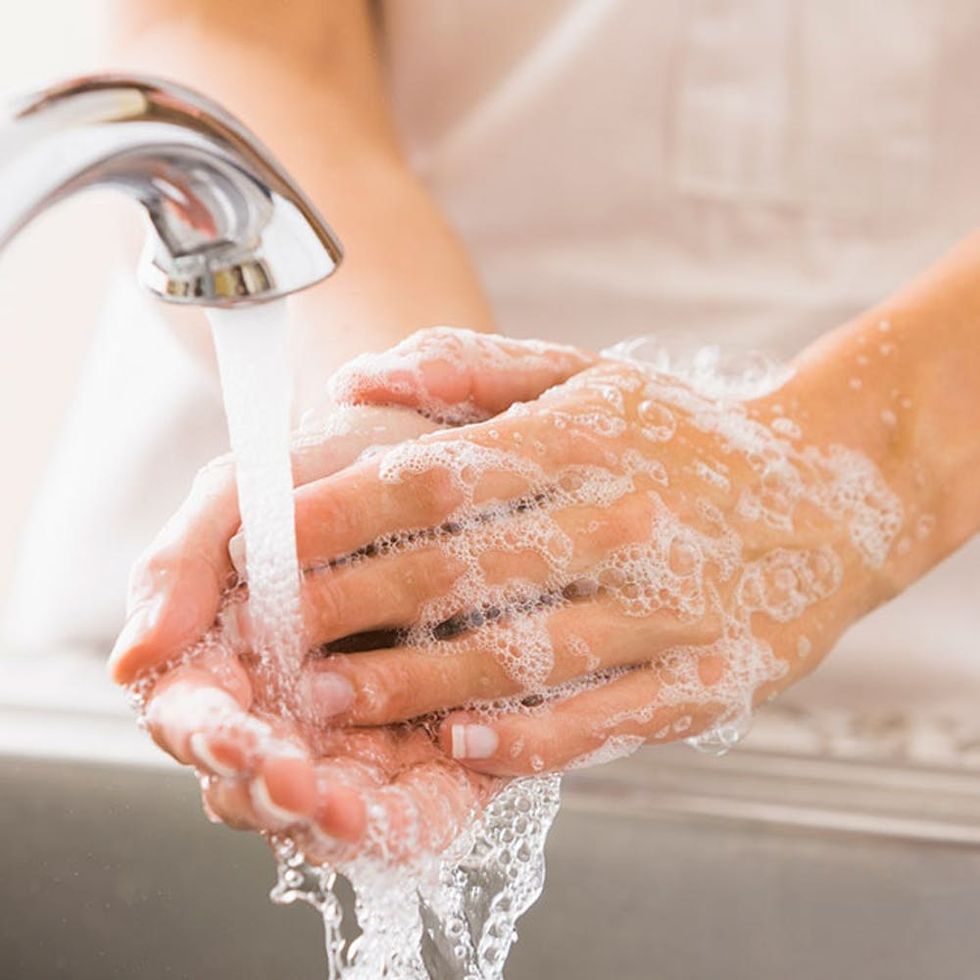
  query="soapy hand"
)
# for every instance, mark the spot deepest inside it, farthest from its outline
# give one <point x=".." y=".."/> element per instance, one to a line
<point x="634" y="556"/>
<point x="336" y="792"/>
<point x="206" y="702"/>
<point x="630" y="557"/>
<point x="259" y="769"/>
<point x="439" y="375"/>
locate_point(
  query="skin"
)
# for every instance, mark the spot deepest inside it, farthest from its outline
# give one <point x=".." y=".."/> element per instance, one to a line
<point x="929" y="457"/>
<point x="914" y="415"/>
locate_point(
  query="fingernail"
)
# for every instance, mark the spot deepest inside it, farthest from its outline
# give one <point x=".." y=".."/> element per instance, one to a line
<point x="270" y="812"/>
<point x="330" y="694"/>
<point x="201" y="749"/>
<point x="236" y="552"/>
<point x="236" y="621"/>
<point x="473" y="742"/>
<point x="183" y="710"/>
<point x="141" y="621"/>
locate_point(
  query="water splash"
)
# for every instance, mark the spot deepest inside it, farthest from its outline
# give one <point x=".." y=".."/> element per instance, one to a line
<point x="726" y="374"/>
<point x="449" y="917"/>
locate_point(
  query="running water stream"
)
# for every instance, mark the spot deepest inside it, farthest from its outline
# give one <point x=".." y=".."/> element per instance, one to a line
<point x="449" y="916"/>
<point x="253" y="361"/>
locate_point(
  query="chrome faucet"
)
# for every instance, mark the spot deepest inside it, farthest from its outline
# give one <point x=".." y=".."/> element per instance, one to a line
<point x="227" y="224"/>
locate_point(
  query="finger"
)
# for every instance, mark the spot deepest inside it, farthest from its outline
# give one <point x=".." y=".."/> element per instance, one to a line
<point x="498" y="660"/>
<point x="458" y="375"/>
<point x="416" y="801"/>
<point x="425" y="809"/>
<point x="416" y="487"/>
<point x="343" y="790"/>
<point x="282" y="795"/>
<point x="230" y="801"/>
<point x="343" y="513"/>
<point x="277" y="786"/>
<point x="203" y="714"/>
<point x="282" y="788"/>
<point x="387" y="593"/>
<point x="177" y="585"/>
<point x="422" y="810"/>
<point x="327" y="445"/>
<point x="284" y="791"/>
<point x="201" y="696"/>
<point x="278" y="791"/>
<point x="613" y="718"/>
<point x="386" y="590"/>
<point x="352" y="781"/>
<point x="341" y="813"/>
<point x="623" y="612"/>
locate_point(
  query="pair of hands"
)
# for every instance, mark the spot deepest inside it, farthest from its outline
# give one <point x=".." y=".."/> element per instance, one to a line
<point x="601" y="555"/>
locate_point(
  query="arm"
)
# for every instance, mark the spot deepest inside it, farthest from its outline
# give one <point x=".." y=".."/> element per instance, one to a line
<point x="902" y="383"/>
<point x="305" y="76"/>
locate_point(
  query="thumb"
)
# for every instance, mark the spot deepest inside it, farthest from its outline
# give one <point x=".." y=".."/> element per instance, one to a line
<point x="457" y="376"/>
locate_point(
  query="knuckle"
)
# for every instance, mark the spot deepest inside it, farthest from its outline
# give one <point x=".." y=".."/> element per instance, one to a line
<point x="436" y="491"/>
<point x="631" y="523"/>
<point x="427" y="576"/>
<point x="325" y="602"/>
<point x="324" y="514"/>
<point x="439" y="337"/>
<point x="387" y="692"/>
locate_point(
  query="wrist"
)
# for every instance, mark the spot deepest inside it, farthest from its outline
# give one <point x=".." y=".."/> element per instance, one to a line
<point x="900" y="385"/>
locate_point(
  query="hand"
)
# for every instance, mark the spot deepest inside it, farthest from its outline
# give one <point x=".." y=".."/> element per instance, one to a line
<point x="177" y="585"/>
<point x="210" y="709"/>
<point x="624" y="559"/>
<point x="336" y="792"/>
<point x="267" y="772"/>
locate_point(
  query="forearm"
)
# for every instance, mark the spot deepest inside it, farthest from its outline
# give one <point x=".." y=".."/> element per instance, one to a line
<point x="322" y="112"/>
<point x="901" y="383"/>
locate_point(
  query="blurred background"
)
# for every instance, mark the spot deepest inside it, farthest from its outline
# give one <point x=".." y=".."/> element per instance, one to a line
<point x="51" y="290"/>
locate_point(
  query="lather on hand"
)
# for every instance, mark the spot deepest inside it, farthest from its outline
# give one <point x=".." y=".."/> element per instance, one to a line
<point x="205" y="703"/>
<point x="794" y="514"/>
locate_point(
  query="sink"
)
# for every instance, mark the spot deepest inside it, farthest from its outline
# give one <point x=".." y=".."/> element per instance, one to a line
<point x="769" y="864"/>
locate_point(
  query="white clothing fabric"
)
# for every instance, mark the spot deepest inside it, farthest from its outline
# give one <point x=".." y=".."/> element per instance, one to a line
<point x="748" y="171"/>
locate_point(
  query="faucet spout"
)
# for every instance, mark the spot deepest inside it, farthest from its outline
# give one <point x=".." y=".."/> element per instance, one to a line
<point x="227" y="225"/>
